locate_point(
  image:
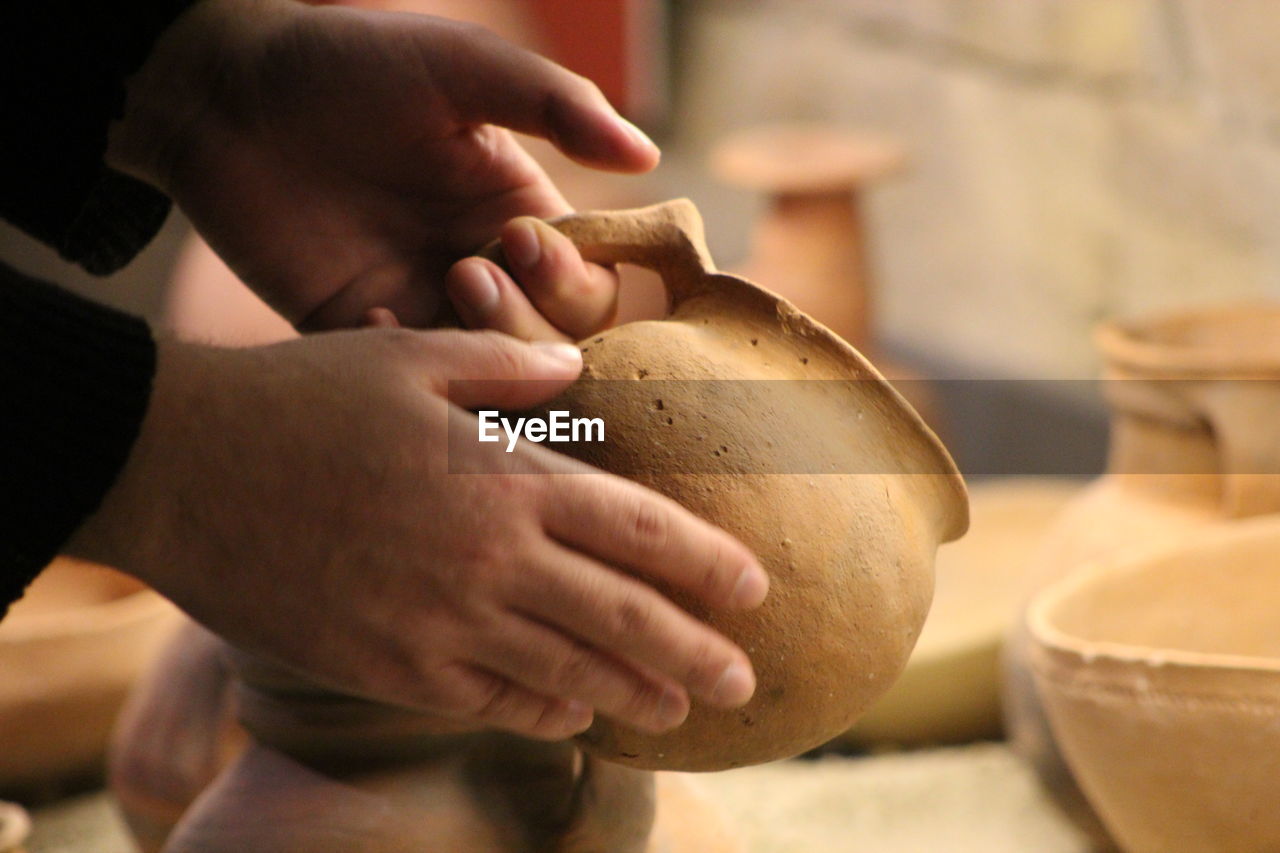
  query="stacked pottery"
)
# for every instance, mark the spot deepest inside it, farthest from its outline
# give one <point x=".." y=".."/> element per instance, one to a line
<point x="70" y="650"/>
<point x="811" y="245"/>
<point x="1195" y="444"/>
<point x="1160" y="673"/>
<point x="833" y="480"/>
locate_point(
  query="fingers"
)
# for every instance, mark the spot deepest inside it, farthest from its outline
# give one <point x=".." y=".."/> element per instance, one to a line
<point x="485" y="297"/>
<point x="545" y="661"/>
<point x="474" y="369"/>
<point x="608" y="610"/>
<point x="577" y="297"/>
<point x="560" y="296"/>
<point x="493" y="81"/>
<point x="626" y="525"/>
<point x="475" y="695"/>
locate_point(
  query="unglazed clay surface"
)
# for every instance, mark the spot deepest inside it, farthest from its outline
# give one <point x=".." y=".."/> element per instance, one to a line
<point x="850" y="553"/>
<point x="1161" y="677"/>
<point x="1194" y="444"/>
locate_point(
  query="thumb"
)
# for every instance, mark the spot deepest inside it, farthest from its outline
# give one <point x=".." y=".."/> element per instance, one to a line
<point x="473" y="369"/>
<point x="492" y="81"/>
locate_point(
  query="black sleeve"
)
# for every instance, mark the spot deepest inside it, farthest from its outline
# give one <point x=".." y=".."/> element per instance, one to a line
<point x="63" y="65"/>
<point x="75" y="379"/>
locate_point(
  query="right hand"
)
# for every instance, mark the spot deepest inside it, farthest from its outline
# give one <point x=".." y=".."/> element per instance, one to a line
<point x="299" y="499"/>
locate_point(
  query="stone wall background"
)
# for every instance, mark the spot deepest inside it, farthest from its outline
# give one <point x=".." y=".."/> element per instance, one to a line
<point x="1072" y="159"/>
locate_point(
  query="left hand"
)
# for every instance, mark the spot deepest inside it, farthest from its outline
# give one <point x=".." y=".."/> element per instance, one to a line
<point x="340" y="159"/>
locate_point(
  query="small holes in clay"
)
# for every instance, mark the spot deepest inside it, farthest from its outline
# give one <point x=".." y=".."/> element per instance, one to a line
<point x="670" y="421"/>
<point x="755" y="342"/>
<point x="804" y="360"/>
<point x="641" y="373"/>
<point x="659" y="405"/>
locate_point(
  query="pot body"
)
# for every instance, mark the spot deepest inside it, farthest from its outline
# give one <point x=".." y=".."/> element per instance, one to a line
<point x="1195" y="429"/>
<point x="763" y="422"/>
<point x="950" y="689"/>
<point x="1160" y="674"/>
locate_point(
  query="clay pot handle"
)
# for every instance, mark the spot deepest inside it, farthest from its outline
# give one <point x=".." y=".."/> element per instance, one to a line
<point x="667" y="238"/>
<point x="1242" y="413"/>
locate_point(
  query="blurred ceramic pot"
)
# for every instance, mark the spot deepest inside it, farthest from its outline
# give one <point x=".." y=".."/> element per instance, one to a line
<point x="950" y="690"/>
<point x="70" y="649"/>
<point x="1195" y="443"/>
<point x="318" y="771"/>
<point x="1160" y="673"/>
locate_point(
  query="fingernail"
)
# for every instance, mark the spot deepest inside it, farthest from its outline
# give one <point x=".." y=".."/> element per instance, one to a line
<point x="521" y="245"/>
<point x="561" y="353"/>
<point x="735" y="686"/>
<point x="751" y="588"/>
<point x="637" y="134"/>
<point x="477" y="289"/>
<point x="672" y="709"/>
<point x="578" y="716"/>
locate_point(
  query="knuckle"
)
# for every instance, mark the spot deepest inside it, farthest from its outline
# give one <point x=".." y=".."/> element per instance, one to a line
<point x="632" y="616"/>
<point x="494" y="699"/>
<point x="647" y="525"/>
<point x="572" y="670"/>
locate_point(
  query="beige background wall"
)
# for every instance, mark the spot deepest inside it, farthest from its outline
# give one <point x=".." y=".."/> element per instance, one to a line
<point x="1073" y="159"/>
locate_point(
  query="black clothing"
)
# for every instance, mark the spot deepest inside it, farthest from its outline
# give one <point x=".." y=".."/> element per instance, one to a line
<point x="75" y="377"/>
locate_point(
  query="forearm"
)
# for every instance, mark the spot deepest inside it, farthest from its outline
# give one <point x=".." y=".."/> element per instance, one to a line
<point x="75" y="380"/>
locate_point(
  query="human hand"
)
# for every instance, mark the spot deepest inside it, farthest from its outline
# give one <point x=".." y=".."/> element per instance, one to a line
<point x="340" y="159"/>
<point x="302" y="500"/>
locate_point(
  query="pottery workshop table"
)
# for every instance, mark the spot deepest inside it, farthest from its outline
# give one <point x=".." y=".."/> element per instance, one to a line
<point x="973" y="798"/>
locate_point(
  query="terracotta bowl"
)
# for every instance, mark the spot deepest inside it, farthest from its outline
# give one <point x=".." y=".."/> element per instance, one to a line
<point x="69" y="651"/>
<point x="1160" y="673"/>
<point x="950" y="690"/>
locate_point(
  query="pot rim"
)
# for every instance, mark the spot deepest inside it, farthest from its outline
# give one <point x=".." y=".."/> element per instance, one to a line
<point x="1089" y="653"/>
<point x="1126" y="344"/>
<point x="137" y="607"/>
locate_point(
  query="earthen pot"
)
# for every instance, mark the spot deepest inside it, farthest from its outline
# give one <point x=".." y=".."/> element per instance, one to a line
<point x="950" y="690"/>
<point x="1160" y="673"/>
<point x="822" y="469"/>
<point x="313" y="771"/>
<point x="1195" y="443"/>
<point x="70" y="649"/>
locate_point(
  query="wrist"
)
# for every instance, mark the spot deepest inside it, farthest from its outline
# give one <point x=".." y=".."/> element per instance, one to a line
<point x="132" y="527"/>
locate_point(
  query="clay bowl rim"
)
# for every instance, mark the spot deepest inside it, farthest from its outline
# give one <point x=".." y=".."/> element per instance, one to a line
<point x="748" y="158"/>
<point x="1088" y="653"/>
<point x="1125" y="343"/>
<point x="102" y="618"/>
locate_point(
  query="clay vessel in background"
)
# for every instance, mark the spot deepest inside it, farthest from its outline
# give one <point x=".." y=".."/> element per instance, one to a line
<point x="1160" y="673"/>
<point x="811" y="244"/>
<point x="70" y="649"/>
<point x="314" y="771"/>
<point x="828" y="475"/>
<point x="1195" y="443"/>
<point x="950" y="690"/>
